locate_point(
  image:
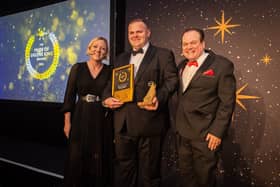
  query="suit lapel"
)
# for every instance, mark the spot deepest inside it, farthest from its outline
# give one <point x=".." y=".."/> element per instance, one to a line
<point x="208" y="61"/>
<point x="145" y="62"/>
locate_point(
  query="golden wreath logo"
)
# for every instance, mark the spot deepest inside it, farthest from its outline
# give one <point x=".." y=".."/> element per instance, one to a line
<point x="123" y="76"/>
<point x="42" y="54"/>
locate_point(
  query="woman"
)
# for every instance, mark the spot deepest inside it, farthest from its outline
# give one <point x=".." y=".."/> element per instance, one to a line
<point x="86" y="123"/>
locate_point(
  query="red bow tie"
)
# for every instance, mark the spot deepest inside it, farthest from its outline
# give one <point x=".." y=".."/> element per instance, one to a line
<point x="193" y="63"/>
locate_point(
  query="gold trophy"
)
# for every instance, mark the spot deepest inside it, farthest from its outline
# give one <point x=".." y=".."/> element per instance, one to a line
<point x="148" y="99"/>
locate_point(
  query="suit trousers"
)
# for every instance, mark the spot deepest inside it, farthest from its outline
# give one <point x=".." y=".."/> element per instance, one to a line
<point x="197" y="163"/>
<point x="138" y="160"/>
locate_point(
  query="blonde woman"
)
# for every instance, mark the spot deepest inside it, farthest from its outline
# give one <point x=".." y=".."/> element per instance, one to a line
<point x="85" y="124"/>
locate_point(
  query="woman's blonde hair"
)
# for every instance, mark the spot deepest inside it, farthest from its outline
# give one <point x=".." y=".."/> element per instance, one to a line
<point x="96" y="39"/>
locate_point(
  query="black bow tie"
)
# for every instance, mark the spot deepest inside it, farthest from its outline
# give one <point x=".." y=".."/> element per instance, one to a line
<point x="138" y="51"/>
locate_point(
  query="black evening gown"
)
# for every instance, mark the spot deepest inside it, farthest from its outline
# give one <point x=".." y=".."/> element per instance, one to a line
<point x="88" y="163"/>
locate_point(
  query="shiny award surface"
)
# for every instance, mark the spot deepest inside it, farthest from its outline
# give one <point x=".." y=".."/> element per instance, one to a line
<point x="123" y="83"/>
<point x="147" y="100"/>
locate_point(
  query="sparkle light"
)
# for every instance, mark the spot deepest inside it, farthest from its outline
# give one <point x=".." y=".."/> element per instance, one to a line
<point x="266" y="59"/>
<point x="239" y="97"/>
<point x="223" y="26"/>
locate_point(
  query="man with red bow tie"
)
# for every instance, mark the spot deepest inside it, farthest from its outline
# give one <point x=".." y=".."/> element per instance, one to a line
<point x="206" y="101"/>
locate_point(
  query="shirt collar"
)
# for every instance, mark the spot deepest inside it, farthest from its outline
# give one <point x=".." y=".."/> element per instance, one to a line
<point x="202" y="58"/>
<point x="145" y="47"/>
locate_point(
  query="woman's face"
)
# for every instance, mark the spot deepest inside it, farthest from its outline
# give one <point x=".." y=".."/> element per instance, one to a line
<point x="98" y="50"/>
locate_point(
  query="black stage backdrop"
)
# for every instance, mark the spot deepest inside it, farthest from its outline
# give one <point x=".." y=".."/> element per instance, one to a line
<point x="247" y="32"/>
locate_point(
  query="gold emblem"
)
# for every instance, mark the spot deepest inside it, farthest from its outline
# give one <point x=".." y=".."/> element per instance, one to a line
<point x="122" y="76"/>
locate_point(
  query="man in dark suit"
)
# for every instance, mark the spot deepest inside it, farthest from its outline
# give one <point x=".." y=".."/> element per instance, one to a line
<point x="139" y="131"/>
<point x="206" y="101"/>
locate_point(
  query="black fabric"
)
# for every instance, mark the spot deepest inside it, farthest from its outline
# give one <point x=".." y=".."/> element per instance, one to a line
<point x="90" y="141"/>
<point x="147" y="155"/>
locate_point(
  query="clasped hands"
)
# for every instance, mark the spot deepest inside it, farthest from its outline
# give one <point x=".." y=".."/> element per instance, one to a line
<point x="114" y="103"/>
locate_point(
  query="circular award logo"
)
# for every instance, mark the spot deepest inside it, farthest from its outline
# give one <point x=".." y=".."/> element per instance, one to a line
<point x="42" y="54"/>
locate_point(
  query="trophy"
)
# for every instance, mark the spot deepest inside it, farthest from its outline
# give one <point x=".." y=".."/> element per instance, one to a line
<point x="147" y="100"/>
<point x="123" y="83"/>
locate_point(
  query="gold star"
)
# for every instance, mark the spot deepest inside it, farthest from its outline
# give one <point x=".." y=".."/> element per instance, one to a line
<point x="40" y="32"/>
<point x="223" y="26"/>
<point x="239" y="97"/>
<point x="266" y="59"/>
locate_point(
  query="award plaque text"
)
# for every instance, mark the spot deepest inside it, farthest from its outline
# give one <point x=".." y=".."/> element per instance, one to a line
<point x="123" y="83"/>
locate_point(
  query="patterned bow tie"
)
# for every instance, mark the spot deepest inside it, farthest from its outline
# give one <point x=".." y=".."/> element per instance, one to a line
<point x="138" y="51"/>
<point x="193" y="63"/>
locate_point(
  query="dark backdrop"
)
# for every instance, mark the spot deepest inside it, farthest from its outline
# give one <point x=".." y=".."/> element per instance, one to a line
<point x="252" y="150"/>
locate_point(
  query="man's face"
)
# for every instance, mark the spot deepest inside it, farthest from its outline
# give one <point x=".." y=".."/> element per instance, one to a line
<point x="138" y="34"/>
<point x="192" y="47"/>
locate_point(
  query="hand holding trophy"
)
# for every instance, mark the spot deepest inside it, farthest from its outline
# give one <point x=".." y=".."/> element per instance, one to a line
<point x="148" y="99"/>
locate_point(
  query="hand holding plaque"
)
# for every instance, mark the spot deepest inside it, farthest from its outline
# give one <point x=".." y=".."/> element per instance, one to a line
<point x="148" y="99"/>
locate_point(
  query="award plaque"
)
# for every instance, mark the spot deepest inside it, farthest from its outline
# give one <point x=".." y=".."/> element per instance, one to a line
<point x="147" y="100"/>
<point x="123" y="83"/>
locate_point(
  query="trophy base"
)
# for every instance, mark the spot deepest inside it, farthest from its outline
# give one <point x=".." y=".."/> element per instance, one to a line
<point x="143" y="104"/>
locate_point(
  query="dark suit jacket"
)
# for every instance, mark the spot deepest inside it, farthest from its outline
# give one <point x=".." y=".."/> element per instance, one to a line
<point x="208" y="102"/>
<point x="158" y="65"/>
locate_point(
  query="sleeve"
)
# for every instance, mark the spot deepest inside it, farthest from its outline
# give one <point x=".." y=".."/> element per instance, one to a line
<point x="227" y="95"/>
<point x="168" y="78"/>
<point x="71" y="90"/>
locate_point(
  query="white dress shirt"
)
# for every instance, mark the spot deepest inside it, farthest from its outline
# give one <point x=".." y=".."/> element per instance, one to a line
<point x="189" y="71"/>
<point x="138" y="58"/>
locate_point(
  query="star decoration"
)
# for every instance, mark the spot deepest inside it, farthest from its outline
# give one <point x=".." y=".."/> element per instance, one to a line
<point x="223" y="26"/>
<point x="266" y="59"/>
<point x="239" y="97"/>
<point x="41" y="33"/>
